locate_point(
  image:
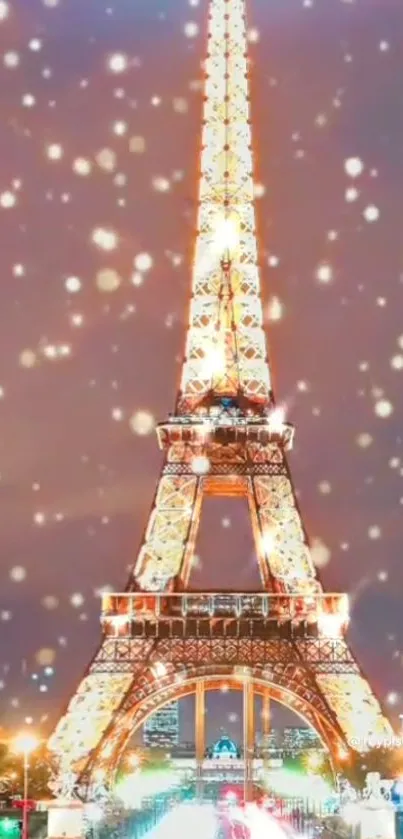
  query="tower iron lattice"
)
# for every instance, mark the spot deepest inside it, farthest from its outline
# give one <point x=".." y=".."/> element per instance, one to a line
<point x="161" y="640"/>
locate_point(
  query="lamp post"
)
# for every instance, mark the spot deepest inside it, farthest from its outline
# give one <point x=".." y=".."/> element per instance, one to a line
<point x="25" y="744"/>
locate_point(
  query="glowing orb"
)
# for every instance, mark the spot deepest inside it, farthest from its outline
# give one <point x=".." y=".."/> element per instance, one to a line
<point x="200" y="465"/>
<point x="142" y="423"/>
<point x="45" y="656"/>
<point x="353" y="167"/>
<point x="108" y="280"/>
<point x="18" y="574"/>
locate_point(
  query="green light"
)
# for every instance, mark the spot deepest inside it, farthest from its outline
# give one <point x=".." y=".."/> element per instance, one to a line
<point x="9" y="827"/>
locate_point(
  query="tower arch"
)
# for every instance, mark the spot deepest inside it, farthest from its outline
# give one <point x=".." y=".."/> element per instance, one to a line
<point x="295" y="697"/>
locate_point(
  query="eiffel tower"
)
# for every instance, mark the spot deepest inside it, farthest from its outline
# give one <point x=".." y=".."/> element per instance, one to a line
<point x="162" y="640"/>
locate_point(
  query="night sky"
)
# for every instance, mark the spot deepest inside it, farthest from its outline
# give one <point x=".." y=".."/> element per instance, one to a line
<point x="99" y="135"/>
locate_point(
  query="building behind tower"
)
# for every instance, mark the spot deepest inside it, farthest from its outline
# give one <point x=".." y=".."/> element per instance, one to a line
<point x="162" y="729"/>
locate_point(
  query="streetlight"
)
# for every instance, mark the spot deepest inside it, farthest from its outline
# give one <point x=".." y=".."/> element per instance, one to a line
<point x="25" y="744"/>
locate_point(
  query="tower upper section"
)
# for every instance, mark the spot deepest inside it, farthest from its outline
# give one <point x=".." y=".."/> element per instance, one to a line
<point x="226" y="354"/>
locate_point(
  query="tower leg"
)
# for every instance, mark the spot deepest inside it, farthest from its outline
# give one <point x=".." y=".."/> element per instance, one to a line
<point x="266" y="726"/>
<point x="248" y="738"/>
<point x="200" y="735"/>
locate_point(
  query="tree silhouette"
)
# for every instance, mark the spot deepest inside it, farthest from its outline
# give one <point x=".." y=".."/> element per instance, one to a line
<point x="41" y="768"/>
<point x="387" y="761"/>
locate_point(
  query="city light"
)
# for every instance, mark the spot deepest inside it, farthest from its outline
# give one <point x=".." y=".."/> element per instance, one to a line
<point x="260" y="824"/>
<point x="276" y="420"/>
<point x="312" y="787"/>
<point x="138" y="786"/>
<point x="331" y="626"/>
<point x="314" y="761"/>
<point x="226" y="236"/>
<point x="214" y="360"/>
<point x="196" y="820"/>
<point x="9" y="828"/>
<point x="159" y="670"/>
<point x="268" y="540"/>
<point x="25" y="743"/>
<point x="134" y="760"/>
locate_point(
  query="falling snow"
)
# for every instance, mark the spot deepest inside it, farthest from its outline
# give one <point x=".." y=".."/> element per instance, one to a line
<point x="142" y="423"/>
<point x="354" y="167"/>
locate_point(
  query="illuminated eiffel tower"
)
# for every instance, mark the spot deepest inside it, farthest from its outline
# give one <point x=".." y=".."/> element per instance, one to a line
<point x="161" y="640"/>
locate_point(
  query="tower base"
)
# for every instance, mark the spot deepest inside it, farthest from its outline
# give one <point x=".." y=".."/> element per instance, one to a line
<point x="157" y="648"/>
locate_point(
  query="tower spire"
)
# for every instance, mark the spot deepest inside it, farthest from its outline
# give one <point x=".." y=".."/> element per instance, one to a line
<point x="225" y="344"/>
